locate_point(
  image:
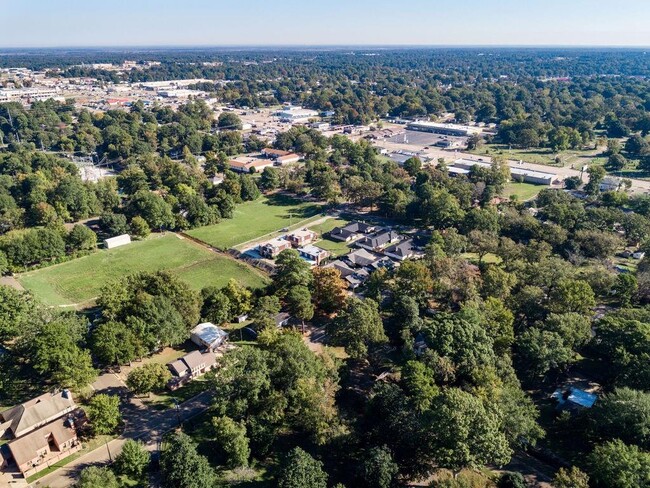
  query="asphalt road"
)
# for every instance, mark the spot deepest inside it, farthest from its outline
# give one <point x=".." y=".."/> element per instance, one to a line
<point x="141" y="423"/>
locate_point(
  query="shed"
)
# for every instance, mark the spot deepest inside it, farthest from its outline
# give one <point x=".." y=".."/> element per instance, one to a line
<point x="117" y="241"/>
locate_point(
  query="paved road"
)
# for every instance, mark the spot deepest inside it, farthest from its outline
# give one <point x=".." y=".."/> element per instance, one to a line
<point x="142" y="423"/>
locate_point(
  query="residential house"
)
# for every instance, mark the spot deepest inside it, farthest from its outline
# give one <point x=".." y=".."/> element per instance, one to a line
<point x="361" y="258"/>
<point x="35" y="451"/>
<point x="29" y="416"/>
<point x="351" y="232"/>
<point x="274" y="247"/>
<point x="301" y="237"/>
<point x="353" y="277"/>
<point x="312" y="254"/>
<point x="190" y="366"/>
<point x="341" y="267"/>
<point x="402" y="250"/>
<point x="573" y="398"/>
<point x="208" y="336"/>
<point x="379" y="240"/>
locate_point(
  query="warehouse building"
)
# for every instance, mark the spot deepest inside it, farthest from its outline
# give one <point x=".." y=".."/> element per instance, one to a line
<point x="444" y="129"/>
<point x="517" y="173"/>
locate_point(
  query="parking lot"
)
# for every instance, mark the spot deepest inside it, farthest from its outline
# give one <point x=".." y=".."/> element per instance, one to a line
<point x="423" y="139"/>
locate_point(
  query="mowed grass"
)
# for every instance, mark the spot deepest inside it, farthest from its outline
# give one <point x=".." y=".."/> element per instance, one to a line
<point x="256" y="219"/>
<point x="523" y="191"/>
<point x="335" y="248"/>
<point x="79" y="281"/>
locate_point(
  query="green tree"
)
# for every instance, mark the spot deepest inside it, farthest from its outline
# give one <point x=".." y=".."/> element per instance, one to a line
<point x="230" y="437"/>
<point x="97" y="477"/>
<point x="358" y="327"/>
<point x="240" y="298"/>
<point x="18" y="310"/>
<point x="104" y="413"/>
<point x="616" y="465"/>
<point x="139" y="227"/>
<point x="572" y="296"/>
<point x="115" y="343"/>
<point x="148" y="378"/>
<point x="216" y="306"/>
<point x="623" y="414"/>
<point x="291" y="270"/>
<point x="153" y="209"/>
<point x="229" y="120"/>
<point x="81" y="238"/>
<point x="133" y="461"/>
<point x="596" y="176"/>
<point x="299" y="302"/>
<point x="419" y="382"/>
<point x="270" y="179"/>
<point x="182" y="466"/>
<point x="378" y="470"/>
<point x="570" y="478"/>
<point x="541" y="351"/>
<point x="300" y="470"/>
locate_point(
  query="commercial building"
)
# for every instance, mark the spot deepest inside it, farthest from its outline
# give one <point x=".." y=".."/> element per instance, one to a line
<point x="245" y="164"/>
<point x="517" y="173"/>
<point x="444" y="129"/>
<point x="296" y="114"/>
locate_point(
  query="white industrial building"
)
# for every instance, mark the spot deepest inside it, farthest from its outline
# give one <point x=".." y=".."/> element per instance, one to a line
<point x="296" y="114"/>
<point x="521" y="174"/>
<point x="444" y="129"/>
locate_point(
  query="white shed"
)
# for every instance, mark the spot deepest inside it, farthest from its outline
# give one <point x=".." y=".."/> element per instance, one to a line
<point x="117" y="241"/>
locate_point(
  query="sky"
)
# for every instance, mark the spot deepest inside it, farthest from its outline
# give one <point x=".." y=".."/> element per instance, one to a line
<point x="67" y="23"/>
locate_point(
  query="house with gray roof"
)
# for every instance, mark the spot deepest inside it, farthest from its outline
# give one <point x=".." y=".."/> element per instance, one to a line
<point x="190" y="366"/>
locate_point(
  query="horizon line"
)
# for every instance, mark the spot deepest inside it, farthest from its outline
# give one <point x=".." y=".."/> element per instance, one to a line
<point x="327" y="46"/>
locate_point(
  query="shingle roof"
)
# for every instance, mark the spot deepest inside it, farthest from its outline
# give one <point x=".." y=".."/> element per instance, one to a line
<point x="36" y="411"/>
<point x="24" y="449"/>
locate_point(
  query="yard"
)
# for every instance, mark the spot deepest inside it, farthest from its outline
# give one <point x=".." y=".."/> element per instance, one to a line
<point x="79" y="281"/>
<point x="335" y="248"/>
<point x="523" y="191"/>
<point x="253" y="220"/>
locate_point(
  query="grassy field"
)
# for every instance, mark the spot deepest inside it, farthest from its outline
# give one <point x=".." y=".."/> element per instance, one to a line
<point x="253" y="220"/>
<point x="79" y="281"/>
<point x="575" y="157"/>
<point x="523" y="191"/>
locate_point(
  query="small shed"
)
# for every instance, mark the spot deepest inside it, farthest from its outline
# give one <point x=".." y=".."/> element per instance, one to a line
<point x="117" y="241"/>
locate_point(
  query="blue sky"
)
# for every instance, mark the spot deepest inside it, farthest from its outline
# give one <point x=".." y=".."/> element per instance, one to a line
<point x="39" y="23"/>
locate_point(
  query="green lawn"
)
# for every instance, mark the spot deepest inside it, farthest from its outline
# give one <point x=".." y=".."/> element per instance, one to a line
<point x="336" y="248"/>
<point x="256" y="219"/>
<point x="80" y="280"/>
<point x="574" y="157"/>
<point x="523" y="191"/>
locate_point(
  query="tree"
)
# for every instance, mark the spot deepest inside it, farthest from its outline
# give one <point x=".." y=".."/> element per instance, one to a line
<point x="413" y="279"/>
<point x="378" y="468"/>
<point x="626" y="288"/>
<point x="616" y="465"/>
<point x="18" y="310"/>
<point x="114" y="224"/>
<point x="148" y="378"/>
<point x="139" y="227"/>
<point x="329" y="290"/>
<point x="300" y="470"/>
<point x="216" y="306"/>
<point x="596" y="176"/>
<point x="133" y="460"/>
<point x="358" y="327"/>
<point x="81" y="238"/>
<point x="291" y="270"/>
<point x="97" y="477"/>
<point x="511" y="480"/>
<point x="572" y="296"/>
<point x="104" y="413"/>
<point x="270" y="179"/>
<point x="541" y="351"/>
<point x="153" y="209"/>
<point x="229" y="120"/>
<point x="240" y="298"/>
<point x="182" y="466"/>
<point x="623" y="414"/>
<point x="230" y="437"/>
<point x="420" y="384"/>
<point x="570" y="478"/>
<point x="54" y="351"/>
<point x="413" y="166"/>
<point x="299" y="303"/>
<point x="468" y="433"/>
<point x="616" y="162"/>
<point x="115" y="343"/>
